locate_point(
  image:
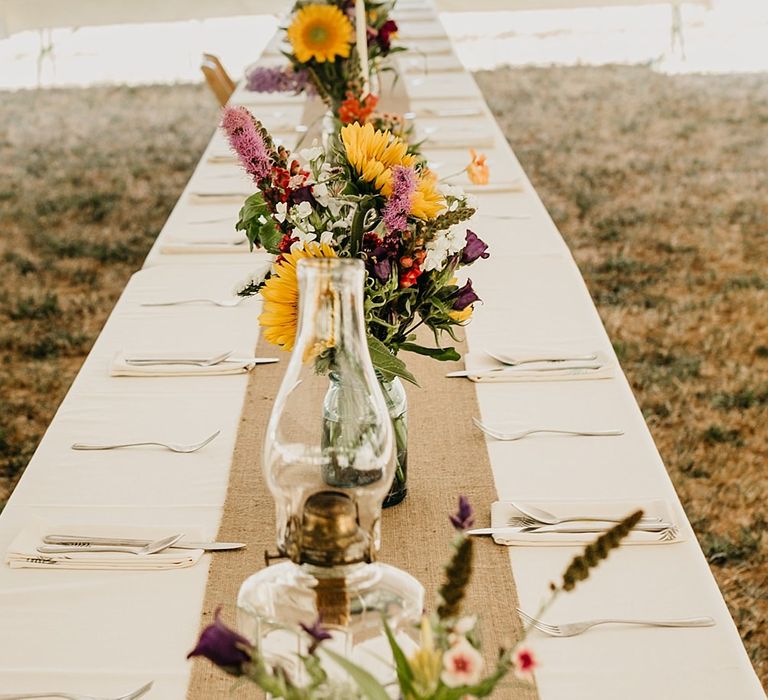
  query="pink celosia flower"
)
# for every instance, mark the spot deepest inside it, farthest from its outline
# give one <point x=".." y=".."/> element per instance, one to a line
<point x="462" y="665"/>
<point x="399" y="205"/>
<point x="525" y="663"/>
<point x="246" y="141"/>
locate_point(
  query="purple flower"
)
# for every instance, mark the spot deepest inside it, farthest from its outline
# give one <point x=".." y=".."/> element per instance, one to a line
<point x="380" y="253"/>
<point x="264" y="79"/>
<point x="465" y="518"/>
<point x="225" y="647"/>
<point x="303" y="194"/>
<point x="473" y="249"/>
<point x="384" y="38"/>
<point x="318" y="634"/>
<point x="247" y="142"/>
<point x="464" y="297"/>
<point x="399" y="205"/>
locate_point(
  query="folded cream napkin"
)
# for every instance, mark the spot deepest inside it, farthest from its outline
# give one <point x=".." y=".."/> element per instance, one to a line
<point x="234" y="365"/>
<point x="492" y="187"/>
<point x="230" y="244"/>
<point x="231" y="195"/>
<point x="502" y="512"/>
<point x="463" y="139"/>
<point x="483" y="368"/>
<point x="23" y="554"/>
<point x="434" y="64"/>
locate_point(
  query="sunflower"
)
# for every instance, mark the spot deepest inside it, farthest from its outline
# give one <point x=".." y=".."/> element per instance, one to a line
<point x="427" y="202"/>
<point x="322" y="32"/>
<point x="373" y="154"/>
<point x="281" y="295"/>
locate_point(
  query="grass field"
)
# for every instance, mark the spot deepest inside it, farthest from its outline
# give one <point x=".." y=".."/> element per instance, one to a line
<point x="657" y="183"/>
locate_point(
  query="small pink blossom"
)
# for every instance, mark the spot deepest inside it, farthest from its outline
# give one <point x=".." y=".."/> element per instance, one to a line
<point x="247" y="142"/>
<point x="525" y="663"/>
<point x="462" y="665"/>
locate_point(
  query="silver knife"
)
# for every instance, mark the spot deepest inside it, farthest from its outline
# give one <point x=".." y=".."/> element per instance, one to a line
<point x="567" y="528"/>
<point x="144" y="362"/>
<point x="86" y="542"/>
<point x="560" y="367"/>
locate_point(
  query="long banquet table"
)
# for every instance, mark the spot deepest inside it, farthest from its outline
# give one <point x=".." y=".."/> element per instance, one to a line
<point x="107" y="632"/>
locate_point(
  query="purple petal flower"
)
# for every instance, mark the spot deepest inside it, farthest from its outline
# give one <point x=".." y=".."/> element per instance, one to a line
<point x="247" y="142"/>
<point x="382" y="269"/>
<point x="473" y="249"/>
<point x="465" y="518"/>
<point x="464" y="297"/>
<point x="399" y="205"/>
<point x="318" y="634"/>
<point x="225" y="647"/>
<point x="303" y="194"/>
<point x="265" y="79"/>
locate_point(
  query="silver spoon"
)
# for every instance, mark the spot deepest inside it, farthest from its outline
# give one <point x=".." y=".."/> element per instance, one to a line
<point x="172" y="446"/>
<point x="151" y="548"/>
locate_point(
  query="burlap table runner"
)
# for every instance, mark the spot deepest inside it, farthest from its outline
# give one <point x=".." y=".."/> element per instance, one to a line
<point x="447" y="457"/>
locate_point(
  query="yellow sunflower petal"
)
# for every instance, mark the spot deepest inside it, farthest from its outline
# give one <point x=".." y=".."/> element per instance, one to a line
<point x="320" y="32"/>
<point x="280" y="315"/>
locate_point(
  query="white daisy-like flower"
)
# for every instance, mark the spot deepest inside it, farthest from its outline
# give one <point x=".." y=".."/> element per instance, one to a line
<point x="462" y="665"/>
<point x="303" y="210"/>
<point x="320" y="193"/>
<point x="326" y="237"/>
<point x="311" y="153"/>
<point x="281" y="211"/>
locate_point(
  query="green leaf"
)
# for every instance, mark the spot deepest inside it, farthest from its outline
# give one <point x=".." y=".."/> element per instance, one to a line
<point x="389" y="365"/>
<point x="443" y="354"/>
<point x="403" y="668"/>
<point x="264" y="233"/>
<point x="371" y="688"/>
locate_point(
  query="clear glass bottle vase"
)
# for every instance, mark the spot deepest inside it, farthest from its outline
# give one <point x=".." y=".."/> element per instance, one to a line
<point x="330" y="429"/>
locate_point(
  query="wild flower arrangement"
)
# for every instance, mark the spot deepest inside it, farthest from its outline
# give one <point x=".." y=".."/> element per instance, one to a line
<point x="447" y="665"/>
<point x="333" y="54"/>
<point x="368" y="197"/>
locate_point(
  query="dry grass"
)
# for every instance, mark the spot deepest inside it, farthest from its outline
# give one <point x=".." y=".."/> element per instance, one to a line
<point x="657" y="183"/>
<point x="87" y="178"/>
<point x="659" y="186"/>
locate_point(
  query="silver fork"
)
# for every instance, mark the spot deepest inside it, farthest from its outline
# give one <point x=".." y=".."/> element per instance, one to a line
<point x="534" y="515"/>
<point x="523" y="432"/>
<point x="172" y="446"/>
<point x="227" y="303"/>
<point x="571" y="629"/>
<point x="209" y="362"/>
<point x="77" y="696"/>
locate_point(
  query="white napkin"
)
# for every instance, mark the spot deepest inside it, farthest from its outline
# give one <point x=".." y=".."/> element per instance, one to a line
<point x="481" y="362"/>
<point x="502" y="511"/>
<point x="492" y="187"/>
<point x="231" y="244"/>
<point x="446" y="63"/>
<point x="463" y="139"/>
<point x="23" y="554"/>
<point x="120" y="368"/>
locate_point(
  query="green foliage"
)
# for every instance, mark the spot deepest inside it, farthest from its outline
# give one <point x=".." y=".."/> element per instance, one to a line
<point x="259" y="226"/>
<point x="386" y="363"/>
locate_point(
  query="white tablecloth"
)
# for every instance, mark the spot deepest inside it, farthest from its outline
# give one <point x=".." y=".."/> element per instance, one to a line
<point x="108" y="632"/>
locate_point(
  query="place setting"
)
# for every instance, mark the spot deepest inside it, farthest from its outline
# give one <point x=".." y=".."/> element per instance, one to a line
<point x="110" y="547"/>
<point x="578" y="522"/>
<point x="530" y="364"/>
<point x="192" y="363"/>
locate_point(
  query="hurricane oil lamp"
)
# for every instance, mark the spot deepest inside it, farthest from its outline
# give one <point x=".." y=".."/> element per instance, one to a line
<point x="328" y="460"/>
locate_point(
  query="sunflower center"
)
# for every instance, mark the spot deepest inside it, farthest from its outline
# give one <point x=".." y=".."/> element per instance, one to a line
<point x="318" y="34"/>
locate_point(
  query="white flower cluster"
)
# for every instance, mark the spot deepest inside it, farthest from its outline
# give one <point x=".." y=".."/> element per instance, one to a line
<point x="251" y="283"/>
<point x="440" y="248"/>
